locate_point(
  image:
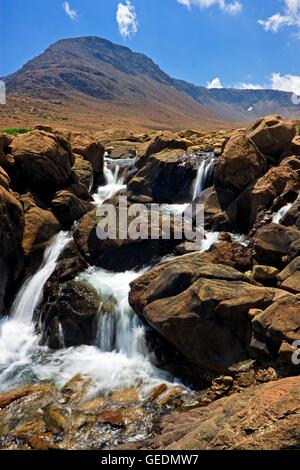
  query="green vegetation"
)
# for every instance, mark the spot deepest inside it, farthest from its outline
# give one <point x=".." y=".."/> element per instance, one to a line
<point x="15" y="131"/>
<point x="298" y="129"/>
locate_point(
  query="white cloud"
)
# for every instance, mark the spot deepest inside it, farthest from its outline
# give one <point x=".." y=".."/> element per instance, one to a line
<point x="232" y="7"/>
<point x="70" y="12"/>
<point x="286" y="83"/>
<point x="290" y="16"/>
<point x="215" y="83"/>
<point x="248" y="86"/>
<point x="127" y="19"/>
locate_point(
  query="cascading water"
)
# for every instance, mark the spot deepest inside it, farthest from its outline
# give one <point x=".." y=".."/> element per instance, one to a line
<point x="204" y="174"/>
<point x="277" y="216"/>
<point x="119" y="357"/>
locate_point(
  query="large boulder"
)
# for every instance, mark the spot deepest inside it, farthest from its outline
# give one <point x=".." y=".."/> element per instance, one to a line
<point x="201" y="309"/>
<point x="292" y="216"/>
<point x="43" y="161"/>
<point x="240" y="165"/>
<point x="273" y="242"/>
<point x="69" y="315"/>
<point x="279" y="324"/>
<point x="5" y="149"/>
<point x="289" y="277"/>
<point x="165" y="178"/>
<point x="263" y="417"/>
<point x="68" y="208"/>
<point x="89" y="148"/>
<point x="271" y="134"/>
<point x="121" y="251"/>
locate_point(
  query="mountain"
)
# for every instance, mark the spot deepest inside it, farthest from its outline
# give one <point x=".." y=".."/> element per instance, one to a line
<point x="91" y="82"/>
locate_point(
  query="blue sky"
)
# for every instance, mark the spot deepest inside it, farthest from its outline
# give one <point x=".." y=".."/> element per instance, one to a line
<point x="216" y="42"/>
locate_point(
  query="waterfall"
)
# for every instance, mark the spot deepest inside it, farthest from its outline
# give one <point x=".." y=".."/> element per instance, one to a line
<point x="204" y="173"/>
<point x="277" y="216"/>
<point x="31" y="292"/>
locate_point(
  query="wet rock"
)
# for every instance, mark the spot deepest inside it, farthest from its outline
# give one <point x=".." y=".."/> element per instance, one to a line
<point x="121" y="251"/>
<point x="69" y="315"/>
<point x="164" y="178"/>
<point x="293" y="162"/>
<point x="68" y="208"/>
<point x="255" y="419"/>
<point x="166" y="140"/>
<point x="271" y="134"/>
<point x="42" y="160"/>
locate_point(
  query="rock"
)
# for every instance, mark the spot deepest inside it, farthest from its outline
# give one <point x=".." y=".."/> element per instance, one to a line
<point x="166" y="140"/>
<point x="164" y="178"/>
<point x="40" y="226"/>
<point x="273" y="242"/>
<point x="42" y="160"/>
<point x="264" y="273"/>
<point x="225" y="237"/>
<point x="68" y="208"/>
<point x="287" y="352"/>
<point x="276" y="182"/>
<point x="121" y="252"/>
<point x="293" y="162"/>
<point x="68" y="315"/>
<point x="156" y="393"/>
<point x="196" y="308"/>
<point x="240" y="164"/>
<point x="215" y="219"/>
<point x="10" y="397"/>
<point x="292" y="217"/>
<point x="289" y="278"/>
<point x="271" y="134"/>
<point x="90" y="149"/>
<point x="11" y="223"/>
<point x="83" y="172"/>
<point x="44" y="127"/>
<point x="4" y="179"/>
<point x="279" y="323"/>
<point x="258" y="418"/>
<point x="5" y="149"/>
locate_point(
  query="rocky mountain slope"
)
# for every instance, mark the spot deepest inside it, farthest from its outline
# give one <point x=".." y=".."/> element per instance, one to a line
<point x="90" y="80"/>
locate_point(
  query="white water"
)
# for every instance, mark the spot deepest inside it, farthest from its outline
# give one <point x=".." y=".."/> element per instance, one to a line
<point x="119" y="357"/>
<point x="277" y="216"/>
<point x="203" y="173"/>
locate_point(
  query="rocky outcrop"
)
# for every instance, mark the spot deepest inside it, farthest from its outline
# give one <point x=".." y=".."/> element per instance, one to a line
<point x="69" y="315"/>
<point x="5" y="149"/>
<point x="4" y="179"/>
<point x="201" y="310"/>
<point x="264" y="417"/>
<point x="43" y="161"/>
<point x="68" y="208"/>
<point x="165" y="178"/>
<point x="271" y="134"/>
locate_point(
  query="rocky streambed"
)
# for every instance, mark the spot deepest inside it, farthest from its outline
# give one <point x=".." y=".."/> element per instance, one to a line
<point x="126" y="342"/>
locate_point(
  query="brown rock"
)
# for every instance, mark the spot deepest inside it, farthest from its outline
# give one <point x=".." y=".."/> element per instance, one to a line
<point x="240" y="164"/>
<point x="90" y="149"/>
<point x="43" y="160"/>
<point x="83" y="172"/>
<point x="68" y="208"/>
<point x="4" y="179"/>
<point x="166" y="140"/>
<point x="271" y="134"/>
<point x="272" y="242"/>
<point x="264" y="273"/>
